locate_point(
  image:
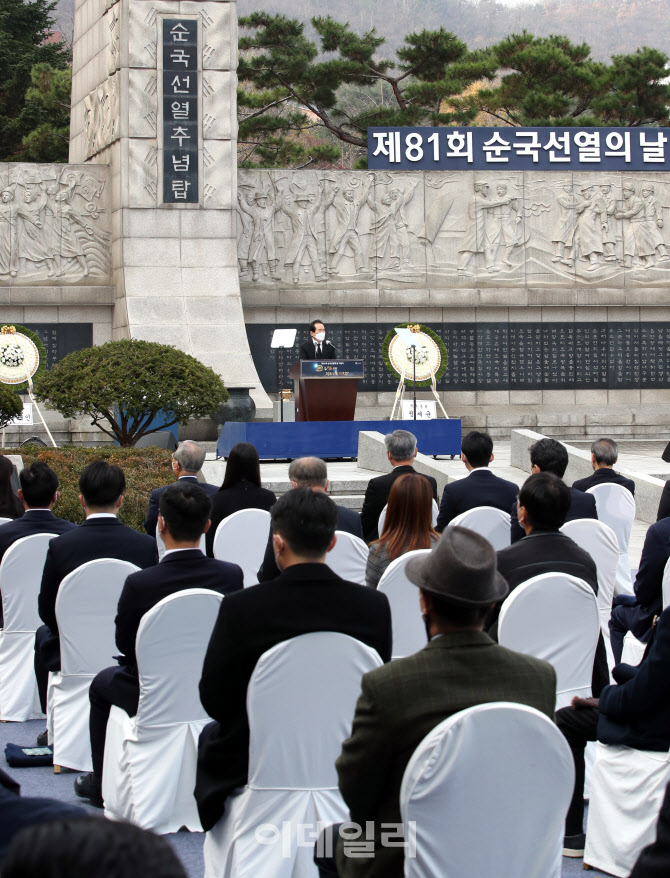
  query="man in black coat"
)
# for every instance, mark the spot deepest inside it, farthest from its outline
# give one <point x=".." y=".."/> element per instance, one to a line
<point x="39" y="494"/>
<point x="551" y="456"/>
<point x="664" y="503"/>
<point x="305" y="598"/>
<point x="187" y="462"/>
<point x="634" y="713"/>
<point x="101" y="536"/>
<point x="309" y="472"/>
<point x="637" y="613"/>
<point x="543" y="504"/>
<point x="480" y="487"/>
<point x="604" y="454"/>
<point x="317" y="347"/>
<point x="182" y="520"/>
<point x="401" y="450"/>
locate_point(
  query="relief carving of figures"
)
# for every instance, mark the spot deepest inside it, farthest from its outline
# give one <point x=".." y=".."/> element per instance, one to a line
<point x="590" y="227"/>
<point x="565" y="228"/>
<point x="302" y="209"/>
<point x="101" y="116"/>
<point x="49" y="226"/>
<point x="258" y="212"/>
<point x="642" y="239"/>
<point x="346" y="236"/>
<point x="392" y="248"/>
<point x="493" y="228"/>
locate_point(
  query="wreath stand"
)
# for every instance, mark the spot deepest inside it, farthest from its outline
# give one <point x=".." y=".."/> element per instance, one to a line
<point x="29" y="379"/>
<point x="410" y="340"/>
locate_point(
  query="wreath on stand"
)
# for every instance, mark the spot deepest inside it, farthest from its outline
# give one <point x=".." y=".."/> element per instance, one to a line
<point x="432" y="355"/>
<point x="20" y="348"/>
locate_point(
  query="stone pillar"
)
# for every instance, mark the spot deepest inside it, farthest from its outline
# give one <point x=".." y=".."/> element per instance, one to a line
<point x="174" y="265"/>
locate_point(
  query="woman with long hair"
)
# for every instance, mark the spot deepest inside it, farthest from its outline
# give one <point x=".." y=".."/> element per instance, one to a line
<point x="408" y="525"/>
<point x="241" y="489"/>
<point x="10" y="505"/>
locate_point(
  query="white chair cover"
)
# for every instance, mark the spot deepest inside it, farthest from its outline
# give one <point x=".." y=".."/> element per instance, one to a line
<point x="86" y="607"/>
<point x="627" y="789"/>
<point x="633" y="649"/>
<point x="409" y="632"/>
<point x="160" y="545"/>
<point x="348" y="557"/>
<point x="666" y="584"/>
<point x="599" y="540"/>
<point x="492" y="523"/>
<point x="523" y="763"/>
<point x="292" y="750"/>
<point x="555" y="617"/>
<point x="616" y="508"/>
<point x="382" y="516"/>
<point x="20" y="580"/>
<point x="150" y="759"/>
<point x="241" y="539"/>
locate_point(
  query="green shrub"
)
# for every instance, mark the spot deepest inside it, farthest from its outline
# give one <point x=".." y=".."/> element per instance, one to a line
<point x="144" y="468"/>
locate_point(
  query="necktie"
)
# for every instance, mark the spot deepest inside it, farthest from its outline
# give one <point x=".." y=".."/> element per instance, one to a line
<point x="318" y="351"/>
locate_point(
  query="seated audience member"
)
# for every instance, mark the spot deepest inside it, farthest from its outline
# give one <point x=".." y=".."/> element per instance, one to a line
<point x="309" y="472"/>
<point x="182" y="519"/>
<point x="480" y="487"/>
<point x="90" y="847"/>
<point x="654" y="860"/>
<point x="543" y="503"/>
<point x="407" y="526"/>
<point x="39" y="494"/>
<point x="551" y="456"/>
<point x="403" y="701"/>
<point x="635" y="713"/>
<point x="241" y="489"/>
<point x="10" y="505"/>
<point x="187" y="462"/>
<point x="664" y="503"/>
<point x="604" y="454"/>
<point x="101" y="536"/>
<point x="17" y="812"/>
<point x="636" y="613"/>
<point x="401" y="450"/>
<point x="306" y="597"/>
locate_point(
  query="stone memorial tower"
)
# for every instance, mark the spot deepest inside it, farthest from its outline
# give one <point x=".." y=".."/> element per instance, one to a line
<point x="153" y="97"/>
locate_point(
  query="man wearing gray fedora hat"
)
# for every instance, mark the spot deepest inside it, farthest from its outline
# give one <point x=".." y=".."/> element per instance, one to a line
<point x="401" y="702"/>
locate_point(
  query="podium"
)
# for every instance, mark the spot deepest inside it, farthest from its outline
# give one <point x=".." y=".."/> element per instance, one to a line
<point x="325" y="390"/>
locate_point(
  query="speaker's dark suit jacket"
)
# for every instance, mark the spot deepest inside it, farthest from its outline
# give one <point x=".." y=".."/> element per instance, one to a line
<point x="480" y="487"/>
<point x="604" y="476"/>
<point x="303" y="599"/>
<point x="654" y="861"/>
<point x="151" y="520"/>
<point x="581" y="506"/>
<point x="94" y="538"/>
<point x="401" y="703"/>
<point x="243" y="495"/>
<point x="308" y="351"/>
<point x="187" y="568"/>
<point x="550" y="552"/>
<point x="347" y="520"/>
<point x="376" y="498"/>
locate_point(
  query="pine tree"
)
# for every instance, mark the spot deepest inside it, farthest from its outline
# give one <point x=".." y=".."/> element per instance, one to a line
<point x="24" y="26"/>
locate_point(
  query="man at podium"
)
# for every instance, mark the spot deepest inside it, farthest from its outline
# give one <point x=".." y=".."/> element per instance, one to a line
<point x="316" y="347"/>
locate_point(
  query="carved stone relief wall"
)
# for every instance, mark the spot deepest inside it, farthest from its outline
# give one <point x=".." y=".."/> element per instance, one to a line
<point x="348" y="229"/>
<point x="101" y="104"/>
<point x="54" y="224"/>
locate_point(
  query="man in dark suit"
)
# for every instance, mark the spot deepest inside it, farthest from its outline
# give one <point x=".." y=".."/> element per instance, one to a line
<point x="543" y="504"/>
<point x="309" y="472"/>
<point x="39" y="494"/>
<point x="403" y="701"/>
<point x="187" y="462"/>
<point x="551" y="456"/>
<point x="664" y="503"/>
<point x="317" y="347"/>
<point x="604" y="454"/>
<point x="101" y="536"/>
<point x="183" y="518"/>
<point x="401" y="450"/>
<point x="636" y="613"/>
<point x="480" y="487"/>
<point x="635" y="713"/>
<point x="654" y="861"/>
<point x="306" y="597"/>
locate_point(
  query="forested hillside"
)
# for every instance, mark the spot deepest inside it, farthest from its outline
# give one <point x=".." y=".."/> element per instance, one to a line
<point x="610" y="27"/>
